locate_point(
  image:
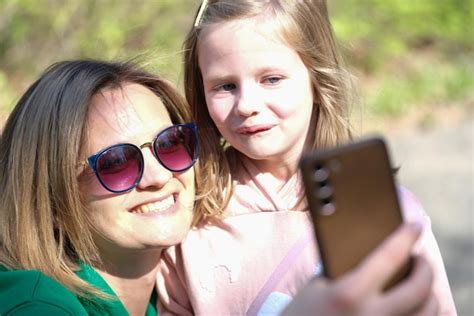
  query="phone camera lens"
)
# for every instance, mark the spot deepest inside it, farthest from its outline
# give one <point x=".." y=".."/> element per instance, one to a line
<point x="320" y="174"/>
<point x="324" y="192"/>
<point x="328" y="209"/>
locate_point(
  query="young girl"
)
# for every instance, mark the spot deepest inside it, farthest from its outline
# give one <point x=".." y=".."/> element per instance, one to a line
<point x="265" y="84"/>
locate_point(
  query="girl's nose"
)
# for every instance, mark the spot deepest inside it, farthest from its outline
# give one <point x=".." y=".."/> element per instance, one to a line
<point x="248" y="101"/>
<point x="154" y="174"/>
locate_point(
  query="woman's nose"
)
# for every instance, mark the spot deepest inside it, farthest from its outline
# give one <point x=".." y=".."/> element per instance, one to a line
<point x="154" y="174"/>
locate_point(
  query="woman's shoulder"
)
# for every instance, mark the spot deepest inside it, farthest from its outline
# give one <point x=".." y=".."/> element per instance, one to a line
<point x="30" y="292"/>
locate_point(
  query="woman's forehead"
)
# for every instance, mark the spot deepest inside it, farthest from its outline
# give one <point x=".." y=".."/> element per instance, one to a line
<point x="127" y="104"/>
<point x="132" y="113"/>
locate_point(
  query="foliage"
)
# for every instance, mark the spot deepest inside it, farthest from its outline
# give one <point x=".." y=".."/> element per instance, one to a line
<point x="433" y="84"/>
<point x="34" y="34"/>
<point x="408" y="53"/>
<point x="374" y="31"/>
<point x="405" y="52"/>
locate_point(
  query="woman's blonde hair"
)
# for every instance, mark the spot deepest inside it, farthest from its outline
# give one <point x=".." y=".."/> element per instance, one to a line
<point x="304" y="25"/>
<point x="43" y="222"/>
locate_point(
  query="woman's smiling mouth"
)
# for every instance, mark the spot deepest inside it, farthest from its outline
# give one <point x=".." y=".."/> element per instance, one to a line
<point x="155" y="207"/>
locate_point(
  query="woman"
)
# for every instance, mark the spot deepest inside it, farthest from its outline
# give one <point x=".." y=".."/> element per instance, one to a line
<point x="96" y="180"/>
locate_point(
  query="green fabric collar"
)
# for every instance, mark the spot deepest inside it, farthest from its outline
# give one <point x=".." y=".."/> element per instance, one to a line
<point x="111" y="306"/>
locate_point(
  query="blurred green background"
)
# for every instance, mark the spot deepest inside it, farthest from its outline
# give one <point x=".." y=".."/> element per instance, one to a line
<point x="404" y="54"/>
<point x="413" y="62"/>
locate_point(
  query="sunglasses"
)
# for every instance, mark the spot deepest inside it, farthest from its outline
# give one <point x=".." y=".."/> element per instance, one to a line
<point x="119" y="168"/>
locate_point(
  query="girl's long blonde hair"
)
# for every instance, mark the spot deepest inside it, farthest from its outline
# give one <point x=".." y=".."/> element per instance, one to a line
<point x="43" y="221"/>
<point x="304" y="25"/>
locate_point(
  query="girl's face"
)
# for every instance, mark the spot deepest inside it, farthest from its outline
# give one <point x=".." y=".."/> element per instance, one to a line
<point x="156" y="213"/>
<point x="258" y="91"/>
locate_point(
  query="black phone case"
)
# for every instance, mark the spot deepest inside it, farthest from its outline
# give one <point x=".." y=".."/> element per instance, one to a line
<point x="353" y="201"/>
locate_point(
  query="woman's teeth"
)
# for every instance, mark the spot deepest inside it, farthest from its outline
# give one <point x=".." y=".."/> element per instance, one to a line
<point x="156" y="206"/>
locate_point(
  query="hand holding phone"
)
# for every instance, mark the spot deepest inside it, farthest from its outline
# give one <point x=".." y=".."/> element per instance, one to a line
<point x="353" y="201"/>
<point x="358" y="292"/>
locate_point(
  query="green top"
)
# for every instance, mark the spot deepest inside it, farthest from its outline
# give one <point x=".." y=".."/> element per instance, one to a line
<point x="30" y="292"/>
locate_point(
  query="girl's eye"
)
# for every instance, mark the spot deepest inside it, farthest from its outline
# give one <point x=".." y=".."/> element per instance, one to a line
<point x="227" y="87"/>
<point x="272" y="80"/>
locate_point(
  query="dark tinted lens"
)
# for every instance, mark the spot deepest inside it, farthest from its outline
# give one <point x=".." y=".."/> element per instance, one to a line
<point x="175" y="147"/>
<point x="120" y="167"/>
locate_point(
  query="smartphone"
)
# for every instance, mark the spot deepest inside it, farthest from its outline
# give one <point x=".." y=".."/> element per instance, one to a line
<point x="353" y="202"/>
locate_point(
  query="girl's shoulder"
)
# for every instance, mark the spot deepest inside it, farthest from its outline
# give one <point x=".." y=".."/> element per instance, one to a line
<point x="30" y="292"/>
<point x="411" y="206"/>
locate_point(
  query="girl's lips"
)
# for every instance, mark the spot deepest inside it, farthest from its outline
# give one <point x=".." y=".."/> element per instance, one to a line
<point x="254" y="129"/>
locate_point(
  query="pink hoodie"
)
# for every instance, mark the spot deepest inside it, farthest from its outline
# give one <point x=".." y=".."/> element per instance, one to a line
<point x="256" y="260"/>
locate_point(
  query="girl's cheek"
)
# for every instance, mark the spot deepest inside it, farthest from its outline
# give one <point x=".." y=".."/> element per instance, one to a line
<point x="219" y="110"/>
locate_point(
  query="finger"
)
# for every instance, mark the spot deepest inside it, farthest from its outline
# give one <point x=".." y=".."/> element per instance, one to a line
<point x="374" y="271"/>
<point x="413" y="294"/>
<point x="431" y="308"/>
<point x="313" y="296"/>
